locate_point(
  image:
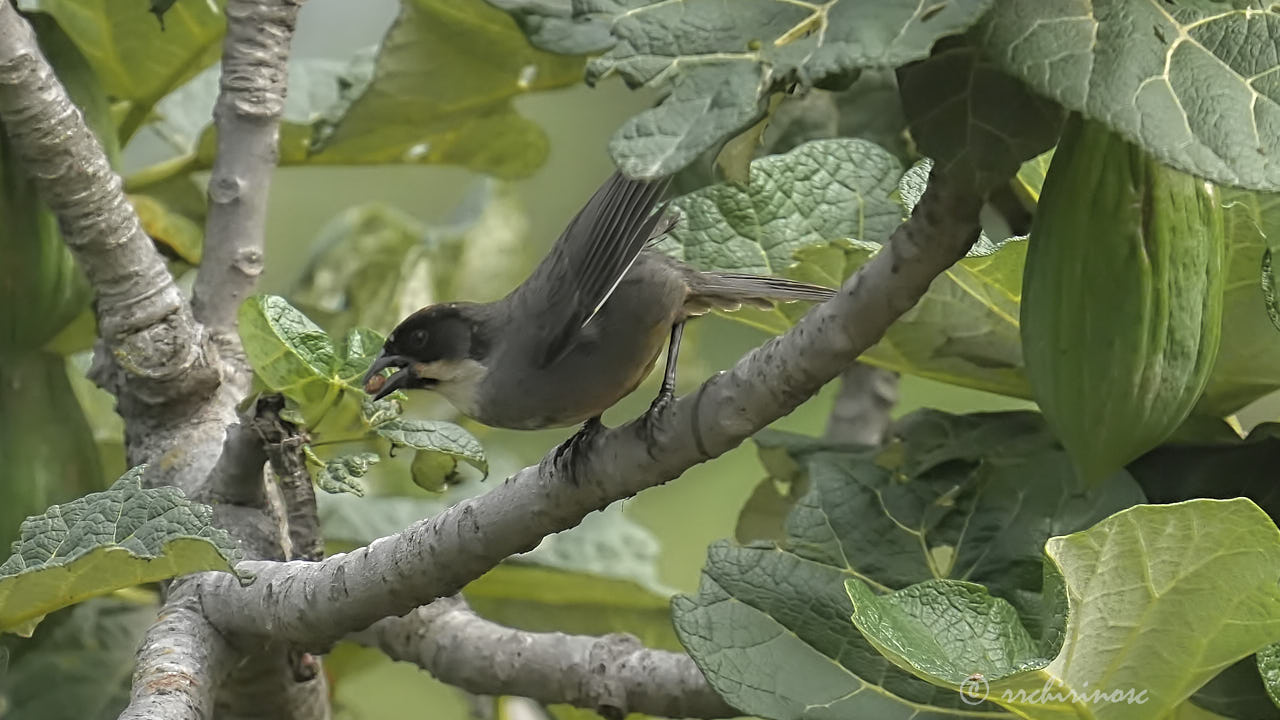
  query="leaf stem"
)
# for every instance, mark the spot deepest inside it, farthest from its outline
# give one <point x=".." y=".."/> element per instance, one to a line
<point x="159" y="172"/>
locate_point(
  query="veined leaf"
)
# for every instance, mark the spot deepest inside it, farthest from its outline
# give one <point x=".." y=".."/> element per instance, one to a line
<point x="948" y="498"/>
<point x="977" y="123"/>
<point x="718" y="64"/>
<point x="1130" y="633"/>
<point x="342" y="474"/>
<point x="288" y="352"/>
<point x="436" y="436"/>
<point x="105" y="541"/>
<point x="1192" y="86"/>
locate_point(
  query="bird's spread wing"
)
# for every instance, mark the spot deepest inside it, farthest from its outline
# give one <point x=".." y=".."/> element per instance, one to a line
<point x="587" y="262"/>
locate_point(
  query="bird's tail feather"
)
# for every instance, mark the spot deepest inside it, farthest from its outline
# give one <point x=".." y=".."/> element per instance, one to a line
<point x="729" y="291"/>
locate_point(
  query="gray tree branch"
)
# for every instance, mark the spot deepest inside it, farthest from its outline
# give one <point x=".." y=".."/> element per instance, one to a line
<point x="181" y="662"/>
<point x="861" y="411"/>
<point x="613" y="675"/>
<point x="315" y="604"/>
<point x="157" y="352"/>
<point x="206" y="451"/>
<point x="247" y="119"/>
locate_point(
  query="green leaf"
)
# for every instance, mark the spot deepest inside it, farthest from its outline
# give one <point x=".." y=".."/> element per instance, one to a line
<point x="356" y="354"/>
<point x="1248" y="364"/>
<point x="436" y="436"/>
<point x="977" y="123"/>
<point x="948" y="497"/>
<point x="45" y="440"/>
<point x="411" y="111"/>
<point x="717" y="66"/>
<point x="1194" y="89"/>
<point x="1192" y="591"/>
<point x="559" y="27"/>
<point x="136" y="59"/>
<point x="342" y="474"/>
<point x="105" y="541"/>
<point x="172" y="230"/>
<point x="1269" y="670"/>
<point x="288" y="352"/>
<point x="1237" y="692"/>
<point x="80" y="665"/>
<point x="821" y="191"/>
<point x="1233" y="467"/>
<point x="1029" y="181"/>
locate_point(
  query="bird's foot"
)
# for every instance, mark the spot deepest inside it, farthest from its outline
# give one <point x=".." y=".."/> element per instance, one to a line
<point x="589" y="430"/>
<point x="655" y="416"/>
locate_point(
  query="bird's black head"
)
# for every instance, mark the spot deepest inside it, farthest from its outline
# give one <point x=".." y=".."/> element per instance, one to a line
<point x="432" y="346"/>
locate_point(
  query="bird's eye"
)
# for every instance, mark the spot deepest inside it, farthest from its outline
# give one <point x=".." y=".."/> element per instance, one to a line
<point x="418" y="338"/>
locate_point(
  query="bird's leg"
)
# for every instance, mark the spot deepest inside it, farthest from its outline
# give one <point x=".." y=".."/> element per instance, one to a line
<point x="667" y="392"/>
<point x="588" y="430"/>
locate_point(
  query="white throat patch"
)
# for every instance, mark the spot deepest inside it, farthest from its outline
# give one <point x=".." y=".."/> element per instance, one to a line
<point x="459" y="381"/>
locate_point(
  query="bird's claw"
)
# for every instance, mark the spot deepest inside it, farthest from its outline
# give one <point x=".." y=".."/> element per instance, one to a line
<point x="654" y="417"/>
<point x="584" y="436"/>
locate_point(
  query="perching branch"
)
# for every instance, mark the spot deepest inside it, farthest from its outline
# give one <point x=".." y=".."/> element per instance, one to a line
<point x="315" y="604"/>
<point x="613" y="675"/>
<point x="159" y="353"/>
<point x="247" y="119"/>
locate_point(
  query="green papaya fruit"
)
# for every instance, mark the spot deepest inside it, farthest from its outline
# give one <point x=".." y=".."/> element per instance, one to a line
<point x="1122" y="297"/>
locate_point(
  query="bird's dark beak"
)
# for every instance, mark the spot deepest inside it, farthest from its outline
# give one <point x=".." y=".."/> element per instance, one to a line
<point x="397" y="381"/>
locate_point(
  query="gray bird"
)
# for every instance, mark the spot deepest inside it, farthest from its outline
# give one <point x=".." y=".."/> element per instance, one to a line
<point x="581" y="332"/>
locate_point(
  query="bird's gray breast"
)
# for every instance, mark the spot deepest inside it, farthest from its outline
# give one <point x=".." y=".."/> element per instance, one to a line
<point x="610" y="356"/>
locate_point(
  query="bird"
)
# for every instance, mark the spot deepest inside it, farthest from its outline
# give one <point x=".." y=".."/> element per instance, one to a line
<point x="582" y="331"/>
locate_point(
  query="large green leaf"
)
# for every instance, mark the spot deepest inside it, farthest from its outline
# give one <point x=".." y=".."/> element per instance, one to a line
<point x="1143" y="609"/>
<point x="949" y="497"/>
<point x="79" y="667"/>
<point x="819" y="192"/>
<point x="442" y="92"/>
<point x="137" y="60"/>
<point x="1248" y="364"/>
<point x="977" y="123"/>
<point x="718" y="64"/>
<point x="105" y="541"/>
<point x="1194" y="87"/>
